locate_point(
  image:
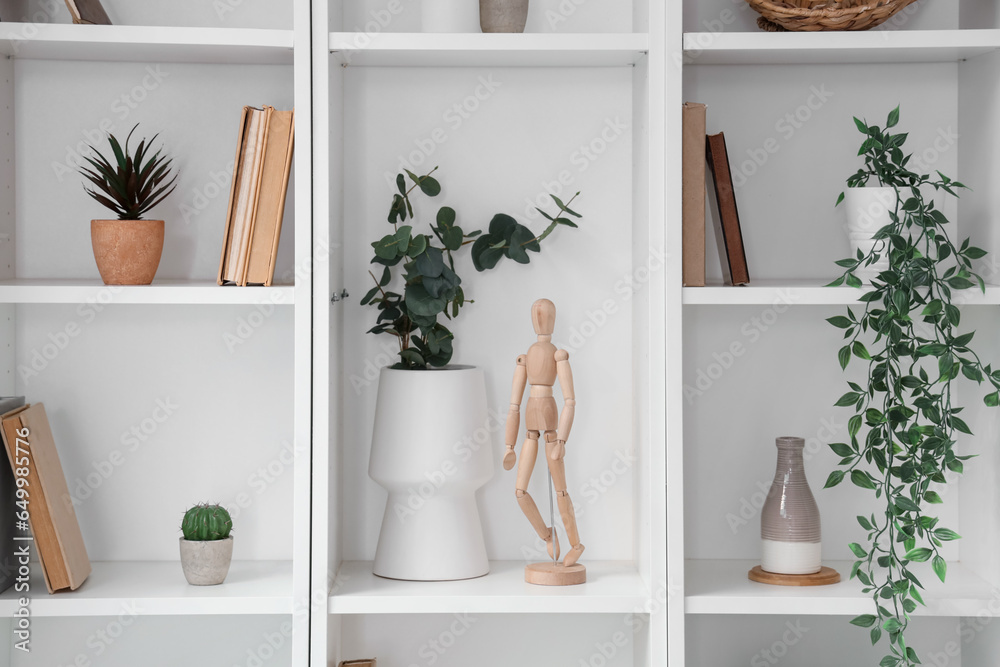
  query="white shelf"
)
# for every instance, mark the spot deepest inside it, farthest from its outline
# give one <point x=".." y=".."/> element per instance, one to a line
<point x="159" y="589"/>
<point x="488" y="50"/>
<point x="805" y="293"/>
<point x="611" y="588"/>
<point x="874" y="46"/>
<point x="722" y="587"/>
<point x="160" y="292"/>
<point x="47" y="41"/>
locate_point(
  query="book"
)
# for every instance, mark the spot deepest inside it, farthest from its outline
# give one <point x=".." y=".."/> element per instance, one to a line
<point x="732" y="254"/>
<point x="369" y="662"/>
<point x="693" y="195"/>
<point x="88" y="11"/>
<point x="8" y="508"/>
<point x="257" y="199"/>
<point x="242" y="200"/>
<point x="57" y="538"/>
<point x="275" y="170"/>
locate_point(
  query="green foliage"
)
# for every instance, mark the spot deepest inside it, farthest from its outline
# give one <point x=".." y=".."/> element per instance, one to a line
<point x="206" y="523"/>
<point x="904" y="428"/>
<point x="431" y="286"/>
<point x="130" y="187"/>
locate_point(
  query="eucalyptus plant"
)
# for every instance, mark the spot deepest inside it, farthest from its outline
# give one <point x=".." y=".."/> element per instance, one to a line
<point x="905" y="423"/>
<point x="431" y="285"/>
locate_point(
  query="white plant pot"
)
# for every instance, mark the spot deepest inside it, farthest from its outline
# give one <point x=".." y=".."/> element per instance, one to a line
<point x="206" y="563"/>
<point x="431" y="450"/>
<point x="450" y="15"/>
<point x="868" y="210"/>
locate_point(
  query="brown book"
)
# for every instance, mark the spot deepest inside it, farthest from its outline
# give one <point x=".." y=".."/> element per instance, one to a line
<point x="243" y="197"/>
<point x="727" y="218"/>
<point x="693" y="195"/>
<point x="358" y="663"/>
<point x="88" y="11"/>
<point x="58" y="540"/>
<point x="277" y="164"/>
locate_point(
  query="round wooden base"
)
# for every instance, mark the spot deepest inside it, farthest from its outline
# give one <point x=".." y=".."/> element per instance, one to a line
<point x="824" y="577"/>
<point x="555" y="574"/>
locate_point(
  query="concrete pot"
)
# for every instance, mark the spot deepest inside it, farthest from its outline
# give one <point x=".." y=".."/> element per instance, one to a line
<point x="206" y="563"/>
<point x="503" y="15"/>
<point x="127" y="251"/>
<point x="431" y="450"/>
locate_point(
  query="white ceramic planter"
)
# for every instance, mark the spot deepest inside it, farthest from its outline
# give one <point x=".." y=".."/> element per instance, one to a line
<point x="206" y="563"/>
<point x="868" y="211"/>
<point x="450" y="15"/>
<point x="431" y="450"/>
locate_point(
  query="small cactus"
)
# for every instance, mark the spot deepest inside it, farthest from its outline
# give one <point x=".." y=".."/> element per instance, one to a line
<point x="206" y="523"/>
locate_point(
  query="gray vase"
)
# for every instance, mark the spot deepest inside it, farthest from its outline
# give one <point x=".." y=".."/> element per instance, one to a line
<point x="206" y="563"/>
<point x="503" y="15"/>
<point x="790" y="526"/>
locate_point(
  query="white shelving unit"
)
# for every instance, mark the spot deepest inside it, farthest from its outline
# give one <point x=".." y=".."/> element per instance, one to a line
<point x="759" y="361"/>
<point x="681" y="391"/>
<point x="176" y="393"/>
<point x="504" y="117"/>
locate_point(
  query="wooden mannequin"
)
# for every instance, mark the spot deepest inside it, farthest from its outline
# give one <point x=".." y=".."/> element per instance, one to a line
<point x="540" y="368"/>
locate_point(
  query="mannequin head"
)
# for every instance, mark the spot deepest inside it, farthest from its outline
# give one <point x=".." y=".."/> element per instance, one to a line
<point x="543" y="317"/>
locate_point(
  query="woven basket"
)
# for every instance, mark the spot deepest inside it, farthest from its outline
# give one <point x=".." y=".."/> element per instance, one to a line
<point x="814" y="15"/>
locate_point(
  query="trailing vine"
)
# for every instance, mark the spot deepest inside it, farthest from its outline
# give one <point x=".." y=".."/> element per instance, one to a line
<point x="905" y="422"/>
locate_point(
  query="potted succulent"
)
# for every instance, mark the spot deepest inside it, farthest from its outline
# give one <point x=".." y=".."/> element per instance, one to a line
<point x="207" y="545"/>
<point x="425" y="406"/>
<point x="128" y="249"/>
<point x="905" y="420"/>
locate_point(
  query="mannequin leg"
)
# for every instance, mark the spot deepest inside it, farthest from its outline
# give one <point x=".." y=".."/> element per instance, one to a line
<point x="557" y="469"/>
<point x="529" y="451"/>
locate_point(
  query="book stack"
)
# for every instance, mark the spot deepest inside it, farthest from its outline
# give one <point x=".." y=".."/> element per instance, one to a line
<point x="257" y="200"/>
<point x="32" y="453"/>
<point x="699" y="148"/>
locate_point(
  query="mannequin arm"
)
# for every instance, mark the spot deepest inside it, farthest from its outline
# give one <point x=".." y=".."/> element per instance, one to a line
<point x="514" y="412"/>
<point x="565" y="374"/>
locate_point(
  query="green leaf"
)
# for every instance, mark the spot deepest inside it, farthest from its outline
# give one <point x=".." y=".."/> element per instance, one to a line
<point x="840" y="322"/>
<point x="864" y="621"/>
<point x="933" y="498"/>
<point x="992" y="400"/>
<point x="946" y="535"/>
<point x="857" y="549"/>
<point x="864" y="523"/>
<point x="839" y="199"/>
<point x="920" y="555"/>
<point x="431" y="263"/>
<point x="862" y="479"/>
<point x="844" y="356"/>
<point x="841" y="449"/>
<point x="893" y="119"/>
<point x="401" y="184"/>
<point x="860" y="351"/>
<point x="907" y="504"/>
<point x="386" y="247"/>
<point x="835" y="478"/>
<point x="848" y="399"/>
<point x="892" y="625"/>
<point x="418" y="244"/>
<point x="502" y="226"/>
<point x="861" y="126"/>
<point x="519" y="240"/>
<point x="940" y="567"/>
<point x="446" y="216"/>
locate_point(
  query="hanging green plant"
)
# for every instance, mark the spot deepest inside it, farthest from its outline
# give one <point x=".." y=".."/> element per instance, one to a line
<point x="431" y="286"/>
<point x="905" y="422"/>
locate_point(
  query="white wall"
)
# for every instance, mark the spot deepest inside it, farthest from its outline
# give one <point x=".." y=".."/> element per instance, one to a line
<point x="219" y="14"/>
<point x="484" y="171"/>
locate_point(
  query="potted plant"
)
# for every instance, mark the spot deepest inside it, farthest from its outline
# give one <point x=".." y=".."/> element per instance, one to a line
<point x="128" y="249"/>
<point x="207" y="545"/>
<point x="425" y="406"/>
<point x="906" y="414"/>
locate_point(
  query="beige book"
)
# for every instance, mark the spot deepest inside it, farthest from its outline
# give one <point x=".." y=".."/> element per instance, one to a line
<point x="237" y="232"/>
<point x="57" y="538"/>
<point x="277" y="165"/>
<point x="693" y="195"/>
<point x="257" y="156"/>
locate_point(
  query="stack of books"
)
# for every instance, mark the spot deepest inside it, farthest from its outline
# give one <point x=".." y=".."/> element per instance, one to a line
<point x="257" y="200"/>
<point x="43" y="498"/>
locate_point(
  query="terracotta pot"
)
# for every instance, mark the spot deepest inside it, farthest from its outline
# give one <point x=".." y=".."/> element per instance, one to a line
<point x="503" y="15"/>
<point x="127" y="251"/>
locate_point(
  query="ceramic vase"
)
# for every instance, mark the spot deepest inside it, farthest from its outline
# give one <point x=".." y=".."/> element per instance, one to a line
<point x="790" y="524"/>
<point x="868" y="210"/>
<point x="503" y="15"/>
<point x="431" y="450"/>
